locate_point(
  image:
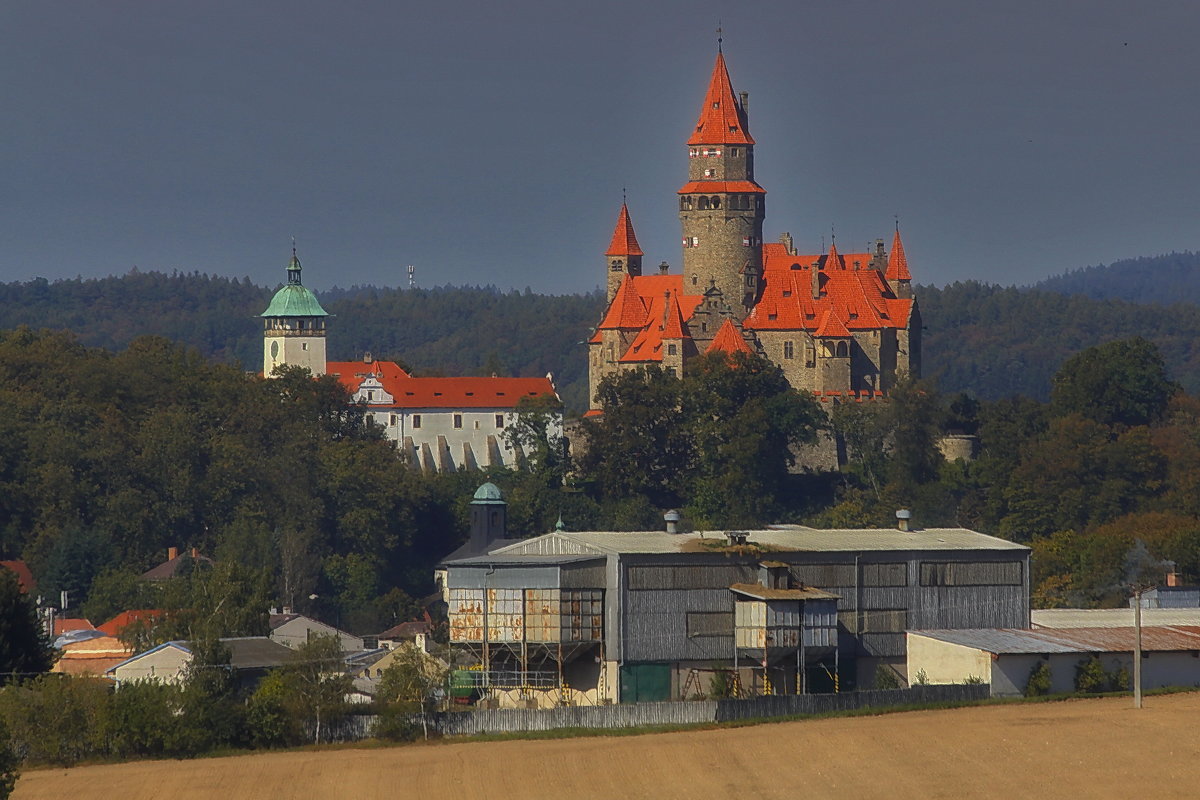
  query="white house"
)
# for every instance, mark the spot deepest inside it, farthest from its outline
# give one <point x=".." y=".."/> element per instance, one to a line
<point x="250" y="658"/>
<point x="292" y="630"/>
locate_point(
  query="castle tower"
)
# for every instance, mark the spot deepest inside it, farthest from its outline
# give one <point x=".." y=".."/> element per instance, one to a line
<point x="897" y="275"/>
<point x="624" y="254"/>
<point x="294" y="326"/>
<point x="721" y="208"/>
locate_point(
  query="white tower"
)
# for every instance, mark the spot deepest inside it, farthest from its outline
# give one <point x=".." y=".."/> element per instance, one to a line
<point x="294" y="327"/>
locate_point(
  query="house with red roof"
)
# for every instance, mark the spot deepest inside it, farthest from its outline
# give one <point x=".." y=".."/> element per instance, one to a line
<point x="441" y="424"/>
<point x="843" y="326"/>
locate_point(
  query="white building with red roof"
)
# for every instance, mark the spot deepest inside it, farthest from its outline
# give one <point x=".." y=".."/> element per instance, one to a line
<point x="842" y="326"/>
<point x="439" y="424"/>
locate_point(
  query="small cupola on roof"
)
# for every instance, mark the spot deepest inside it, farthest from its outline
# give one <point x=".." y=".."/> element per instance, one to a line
<point x="294" y="326"/>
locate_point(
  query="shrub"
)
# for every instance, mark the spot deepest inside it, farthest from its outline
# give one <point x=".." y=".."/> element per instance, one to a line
<point x="886" y="678"/>
<point x="1090" y="677"/>
<point x="396" y="725"/>
<point x="57" y="719"/>
<point x="921" y="679"/>
<point x="145" y="719"/>
<point x="973" y="680"/>
<point x="1039" y="680"/>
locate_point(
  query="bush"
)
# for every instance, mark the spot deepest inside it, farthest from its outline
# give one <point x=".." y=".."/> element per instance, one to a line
<point x="1039" y="680"/>
<point x="886" y="678"/>
<point x="145" y="719"/>
<point x="268" y="720"/>
<point x="57" y="719"/>
<point x="921" y="679"/>
<point x="397" y="725"/>
<point x="9" y="765"/>
<point x="974" y="680"/>
<point x="1090" y="677"/>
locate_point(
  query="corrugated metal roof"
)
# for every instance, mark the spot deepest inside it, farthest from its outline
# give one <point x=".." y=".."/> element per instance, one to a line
<point x="786" y="538"/>
<point x="1059" y="618"/>
<point x="763" y="593"/>
<point x="1074" y="640"/>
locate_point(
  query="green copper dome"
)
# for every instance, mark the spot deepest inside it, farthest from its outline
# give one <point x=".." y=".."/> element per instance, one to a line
<point x="293" y="300"/>
<point x="488" y="493"/>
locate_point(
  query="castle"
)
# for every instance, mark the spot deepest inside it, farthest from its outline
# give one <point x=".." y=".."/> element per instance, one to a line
<point x="840" y="325"/>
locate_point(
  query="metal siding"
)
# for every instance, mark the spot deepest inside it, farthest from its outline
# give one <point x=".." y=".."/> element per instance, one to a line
<point x="586" y="576"/>
<point x="504" y="577"/>
<point x="656" y="628"/>
<point x="692" y="576"/>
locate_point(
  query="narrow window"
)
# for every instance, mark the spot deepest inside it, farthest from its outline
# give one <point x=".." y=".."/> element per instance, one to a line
<point x="671" y="350"/>
<point x="458" y="420"/>
<point x="499" y="420"/>
<point x="787" y="350"/>
<point x="716" y="202"/>
<point x="392" y="420"/>
<point x="416" y="420"/>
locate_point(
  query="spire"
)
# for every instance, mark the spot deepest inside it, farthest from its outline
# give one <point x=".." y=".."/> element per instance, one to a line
<point x="897" y="268"/>
<point x="833" y="260"/>
<point x="293" y="267"/>
<point x="624" y="240"/>
<point x="722" y="118"/>
<point x="626" y="310"/>
<point x="673" y="318"/>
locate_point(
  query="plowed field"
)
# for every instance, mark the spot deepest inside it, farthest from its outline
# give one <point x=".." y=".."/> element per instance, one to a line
<point x="1082" y="748"/>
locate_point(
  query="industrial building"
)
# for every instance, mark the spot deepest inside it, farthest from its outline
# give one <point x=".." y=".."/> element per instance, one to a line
<point x="595" y="617"/>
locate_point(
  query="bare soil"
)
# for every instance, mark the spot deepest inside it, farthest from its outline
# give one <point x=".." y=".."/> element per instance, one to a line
<point x="1081" y="748"/>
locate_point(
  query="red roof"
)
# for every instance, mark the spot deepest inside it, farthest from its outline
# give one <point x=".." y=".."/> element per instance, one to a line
<point x="708" y="187"/>
<point x="434" y="393"/>
<point x="641" y="303"/>
<point x="121" y="621"/>
<point x="627" y="309"/>
<point x="859" y="295"/>
<point x="673" y="320"/>
<point x="61" y="626"/>
<point x="624" y="240"/>
<point x="722" y="120"/>
<point x="831" y="327"/>
<point x="728" y="340"/>
<point x="897" y="268"/>
<point x="24" y="576"/>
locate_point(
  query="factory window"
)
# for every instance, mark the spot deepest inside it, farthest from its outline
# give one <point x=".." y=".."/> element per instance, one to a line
<point x="709" y="623"/>
<point x="788" y="350"/>
<point x="416" y="420"/>
<point x="458" y="420"/>
<point x="971" y="573"/>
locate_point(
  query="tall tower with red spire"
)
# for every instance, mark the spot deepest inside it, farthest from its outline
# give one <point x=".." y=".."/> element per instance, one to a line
<point x="624" y="254"/>
<point x="721" y="208"/>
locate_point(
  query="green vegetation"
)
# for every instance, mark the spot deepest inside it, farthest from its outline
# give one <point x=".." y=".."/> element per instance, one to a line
<point x="24" y="649"/>
<point x="1040" y="680"/>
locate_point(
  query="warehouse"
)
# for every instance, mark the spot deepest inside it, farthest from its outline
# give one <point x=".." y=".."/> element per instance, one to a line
<point x="650" y="615"/>
<point x="1006" y="658"/>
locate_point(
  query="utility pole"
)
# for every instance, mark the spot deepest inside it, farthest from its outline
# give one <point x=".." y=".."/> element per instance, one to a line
<point x="1137" y="647"/>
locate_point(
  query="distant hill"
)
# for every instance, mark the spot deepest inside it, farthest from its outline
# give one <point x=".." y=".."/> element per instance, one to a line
<point x="1171" y="278"/>
<point x="989" y="340"/>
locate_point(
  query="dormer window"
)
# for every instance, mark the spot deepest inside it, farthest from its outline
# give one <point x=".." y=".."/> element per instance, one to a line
<point x="716" y="104"/>
<point x="787" y="292"/>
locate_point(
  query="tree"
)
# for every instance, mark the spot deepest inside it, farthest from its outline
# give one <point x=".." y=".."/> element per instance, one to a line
<point x="411" y="681"/>
<point x="9" y="765"/>
<point x="24" y="648"/>
<point x="317" y="682"/>
<point x="1119" y="383"/>
<point x="211" y="713"/>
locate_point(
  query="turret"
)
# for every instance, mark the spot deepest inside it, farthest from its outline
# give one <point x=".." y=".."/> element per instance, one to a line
<point x="721" y="208"/>
<point x="624" y="254"/>
<point x="897" y="275"/>
<point x="294" y="326"/>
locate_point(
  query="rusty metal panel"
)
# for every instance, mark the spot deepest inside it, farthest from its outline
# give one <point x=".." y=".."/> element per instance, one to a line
<point x="542" y="615"/>
<point x="582" y="617"/>
<point x="466" y="615"/>
<point x="505" y="615"/>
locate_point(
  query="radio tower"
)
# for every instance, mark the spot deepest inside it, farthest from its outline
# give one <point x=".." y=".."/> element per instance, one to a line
<point x="412" y="278"/>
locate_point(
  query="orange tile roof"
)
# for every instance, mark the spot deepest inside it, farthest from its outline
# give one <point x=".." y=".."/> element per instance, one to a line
<point x="655" y="291"/>
<point x="722" y="120"/>
<point x="61" y="626"/>
<point x="627" y="309"/>
<point x="624" y="240"/>
<point x="126" y="618"/>
<point x="831" y="327"/>
<point x="728" y="340"/>
<point x="861" y="298"/>
<point x="673" y="321"/>
<point x="24" y="576"/>
<point x="731" y="187"/>
<point x="897" y="267"/>
<point x="433" y="393"/>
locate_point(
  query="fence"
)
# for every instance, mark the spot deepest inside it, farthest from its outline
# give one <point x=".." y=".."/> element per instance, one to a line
<point x="632" y="715"/>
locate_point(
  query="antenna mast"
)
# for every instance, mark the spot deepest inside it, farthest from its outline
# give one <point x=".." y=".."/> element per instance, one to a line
<point x="412" y="277"/>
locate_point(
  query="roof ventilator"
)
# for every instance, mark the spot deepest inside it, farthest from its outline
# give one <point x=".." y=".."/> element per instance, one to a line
<point x="736" y="538"/>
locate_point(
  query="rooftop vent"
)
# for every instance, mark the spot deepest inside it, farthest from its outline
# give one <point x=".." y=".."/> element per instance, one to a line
<point x="672" y="520"/>
<point x="903" y="518"/>
<point x="736" y="537"/>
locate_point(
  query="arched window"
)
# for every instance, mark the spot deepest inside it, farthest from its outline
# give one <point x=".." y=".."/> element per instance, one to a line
<point x="843" y="349"/>
<point x="716" y="202"/>
<point x="704" y="204"/>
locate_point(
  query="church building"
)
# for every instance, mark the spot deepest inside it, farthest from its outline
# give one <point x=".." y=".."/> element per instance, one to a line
<point x="840" y="325"/>
<point x="439" y="424"/>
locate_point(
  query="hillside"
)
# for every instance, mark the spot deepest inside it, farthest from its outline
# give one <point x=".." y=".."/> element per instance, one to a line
<point x="1165" y="279"/>
<point x="989" y="340"/>
<point x="1086" y="748"/>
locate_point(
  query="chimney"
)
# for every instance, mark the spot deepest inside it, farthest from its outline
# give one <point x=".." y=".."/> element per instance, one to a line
<point x="1172" y="578"/>
<point x="788" y="244"/>
<point x="672" y="520"/>
<point x="367" y="357"/>
<point x="172" y="553"/>
<point x="744" y="101"/>
<point x="195" y="553"/>
<point x="903" y="518"/>
<point x="663" y="268"/>
<point x="815" y="271"/>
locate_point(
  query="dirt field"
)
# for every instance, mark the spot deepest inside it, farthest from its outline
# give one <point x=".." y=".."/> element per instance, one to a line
<point x="1082" y="748"/>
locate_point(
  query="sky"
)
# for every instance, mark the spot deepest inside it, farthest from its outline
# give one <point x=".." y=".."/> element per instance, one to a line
<point x="489" y="143"/>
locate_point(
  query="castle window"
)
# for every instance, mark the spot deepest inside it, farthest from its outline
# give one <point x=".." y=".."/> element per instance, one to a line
<point x="749" y="280"/>
<point x="703" y="204"/>
<point x="709" y="173"/>
<point x="787" y="350"/>
<point x="716" y="202"/>
<point x="695" y="280"/>
<point x="458" y="420"/>
<point x="499" y="420"/>
<point x="772" y="316"/>
<point x="704" y="327"/>
<point x="416" y="421"/>
<point x="616" y="265"/>
<point x="671" y="371"/>
<point x="810" y="355"/>
<point x="692" y="153"/>
<point x="716" y="104"/>
<point x="747" y="241"/>
<point x="672" y="350"/>
<point x="842" y="350"/>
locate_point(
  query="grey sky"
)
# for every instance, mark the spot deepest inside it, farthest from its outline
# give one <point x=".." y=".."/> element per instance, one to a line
<point x="488" y="143"/>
